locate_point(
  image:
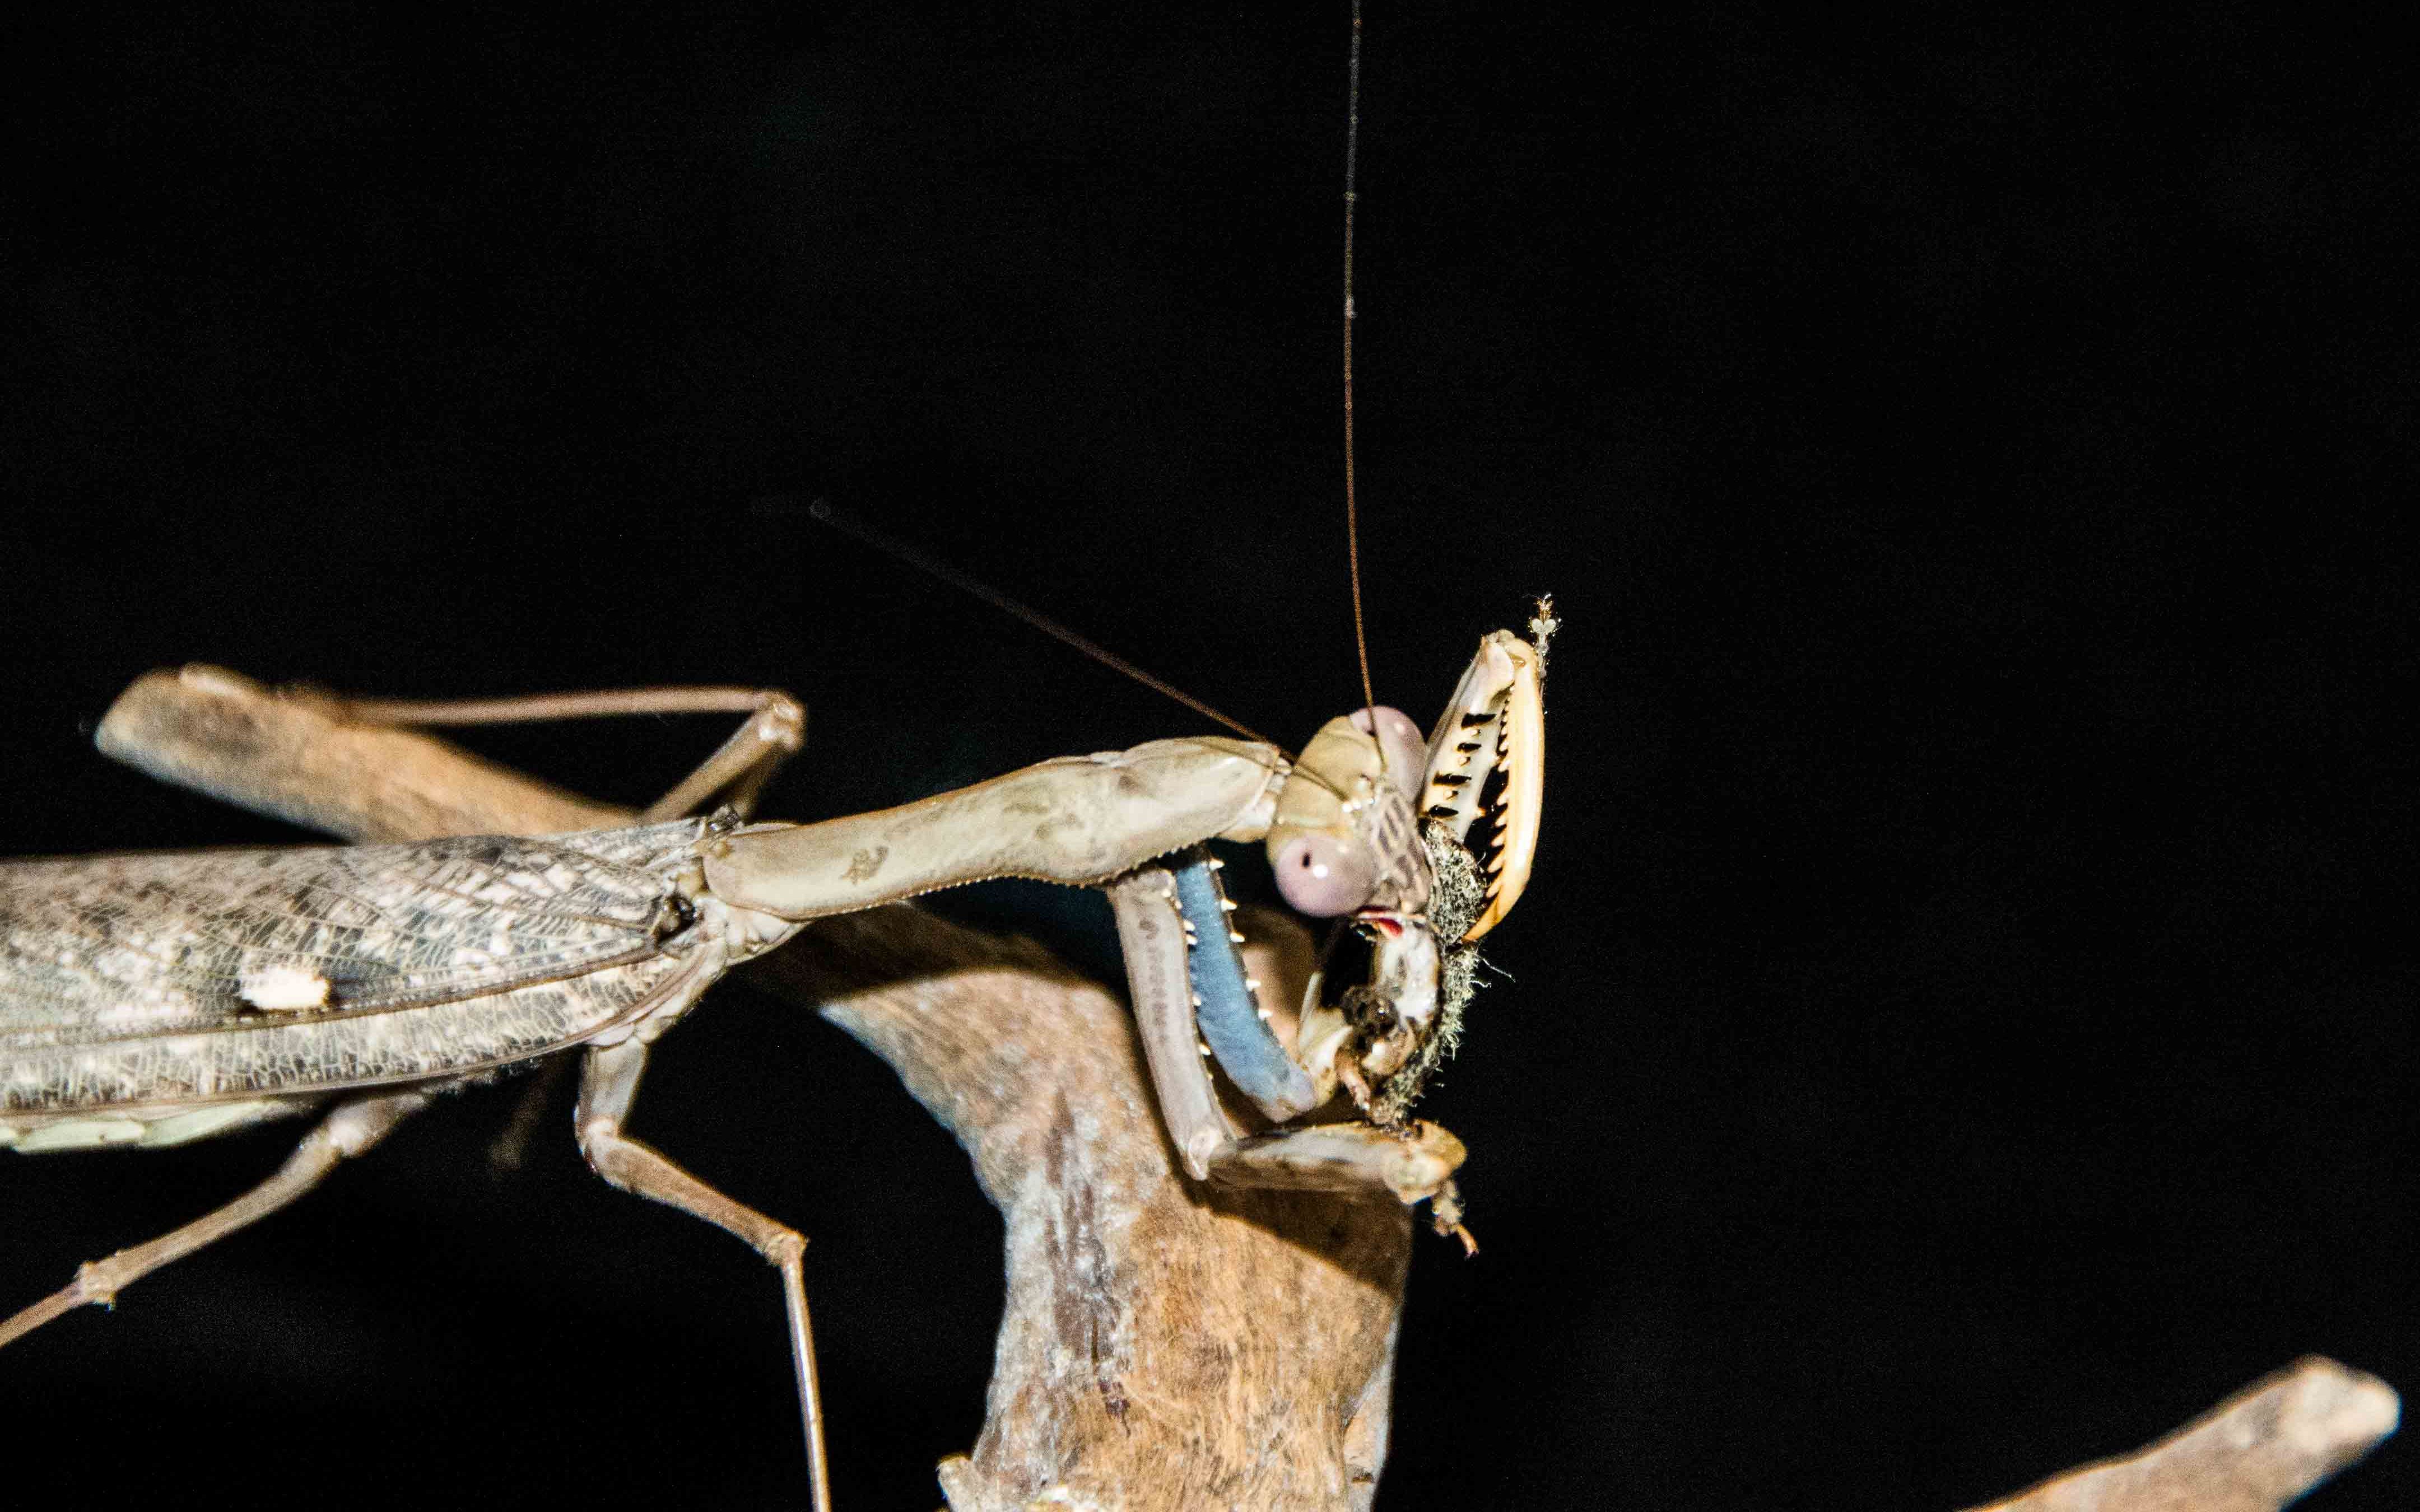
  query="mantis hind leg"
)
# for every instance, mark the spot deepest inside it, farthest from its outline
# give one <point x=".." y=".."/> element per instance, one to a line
<point x="361" y="769"/>
<point x="735" y="773"/>
<point x="351" y="1129"/>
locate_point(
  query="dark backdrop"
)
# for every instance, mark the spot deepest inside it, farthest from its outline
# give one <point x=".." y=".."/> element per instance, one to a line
<point x="1957" y="1029"/>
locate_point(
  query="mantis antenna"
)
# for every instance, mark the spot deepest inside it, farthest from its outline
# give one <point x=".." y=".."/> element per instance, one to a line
<point x="850" y="525"/>
<point x="1352" y="508"/>
<point x="823" y="511"/>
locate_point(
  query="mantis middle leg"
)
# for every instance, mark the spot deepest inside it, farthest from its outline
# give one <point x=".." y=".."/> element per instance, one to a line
<point x="609" y="1081"/>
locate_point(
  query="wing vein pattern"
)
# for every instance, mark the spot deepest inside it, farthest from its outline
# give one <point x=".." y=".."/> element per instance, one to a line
<point x="191" y="976"/>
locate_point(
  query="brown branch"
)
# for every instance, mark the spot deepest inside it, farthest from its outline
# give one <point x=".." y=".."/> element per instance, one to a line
<point x="1164" y="1344"/>
<point x="2255" y="1452"/>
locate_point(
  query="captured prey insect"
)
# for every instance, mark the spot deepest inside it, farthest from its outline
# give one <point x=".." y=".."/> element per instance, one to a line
<point x="160" y="998"/>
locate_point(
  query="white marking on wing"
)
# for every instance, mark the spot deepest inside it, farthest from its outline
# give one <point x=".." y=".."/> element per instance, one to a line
<point x="282" y="989"/>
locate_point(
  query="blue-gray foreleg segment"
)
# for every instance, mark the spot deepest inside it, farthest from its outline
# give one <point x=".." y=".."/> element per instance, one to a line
<point x="1224" y="1008"/>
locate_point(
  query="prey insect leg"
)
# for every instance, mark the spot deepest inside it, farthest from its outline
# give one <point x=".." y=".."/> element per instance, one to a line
<point x="609" y="1080"/>
<point x="351" y="1129"/>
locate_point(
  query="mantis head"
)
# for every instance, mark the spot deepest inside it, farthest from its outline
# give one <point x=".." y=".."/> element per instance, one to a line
<point x="1424" y="847"/>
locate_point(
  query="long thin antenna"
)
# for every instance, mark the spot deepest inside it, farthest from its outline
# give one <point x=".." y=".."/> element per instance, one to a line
<point x="1352" y="506"/>
<point x="851" y="525"/>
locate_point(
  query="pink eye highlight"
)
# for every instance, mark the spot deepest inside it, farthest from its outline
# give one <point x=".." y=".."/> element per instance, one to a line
<point x="1323" y="876"/>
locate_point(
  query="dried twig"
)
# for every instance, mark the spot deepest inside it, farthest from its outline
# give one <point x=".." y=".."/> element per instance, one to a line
<point x="2255" y="1452"/>
<point x="1164" y="1346"/>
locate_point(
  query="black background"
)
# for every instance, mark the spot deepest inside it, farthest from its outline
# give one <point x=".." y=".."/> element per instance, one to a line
<point x="1956" y="1029"/>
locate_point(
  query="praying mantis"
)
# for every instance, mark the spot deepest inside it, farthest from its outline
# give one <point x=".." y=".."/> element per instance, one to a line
<point x="291" y="995"/>
<point x="162" y="999"/>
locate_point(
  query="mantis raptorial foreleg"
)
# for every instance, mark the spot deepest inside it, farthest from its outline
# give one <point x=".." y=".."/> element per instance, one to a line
<point x="1096" y="820"/>
<point x="1166" y="937"/>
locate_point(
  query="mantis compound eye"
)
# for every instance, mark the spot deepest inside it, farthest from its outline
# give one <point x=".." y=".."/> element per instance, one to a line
<point x="1322" y="876"/>
<point x="1407" y="749"/>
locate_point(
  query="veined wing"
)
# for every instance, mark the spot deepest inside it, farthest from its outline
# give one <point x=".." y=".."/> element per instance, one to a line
<point x="105" y="946"/>
<point x="215" y="974"/>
